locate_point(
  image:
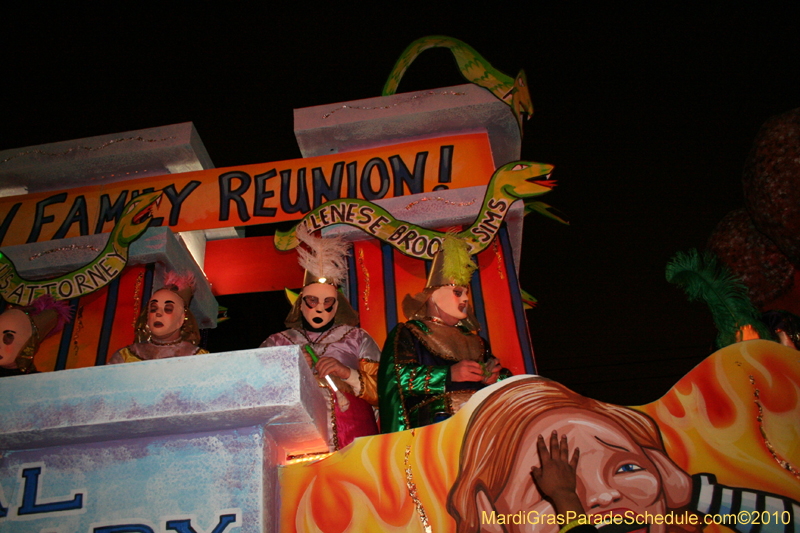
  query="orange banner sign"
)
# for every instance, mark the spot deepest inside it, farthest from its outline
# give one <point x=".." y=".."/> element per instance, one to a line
<point x="254" y="194"/>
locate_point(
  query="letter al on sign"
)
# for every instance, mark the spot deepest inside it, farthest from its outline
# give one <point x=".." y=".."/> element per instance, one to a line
<point x="32" y="502"/>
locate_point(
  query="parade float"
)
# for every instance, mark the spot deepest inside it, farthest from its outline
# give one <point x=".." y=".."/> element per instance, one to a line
<point x="237" y="441"/>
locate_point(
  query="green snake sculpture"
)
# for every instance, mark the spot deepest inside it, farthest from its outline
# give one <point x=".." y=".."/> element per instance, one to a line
<point x="518" y="180"/>
<point x="512" y="91"/>
<point x="105" y="267"/>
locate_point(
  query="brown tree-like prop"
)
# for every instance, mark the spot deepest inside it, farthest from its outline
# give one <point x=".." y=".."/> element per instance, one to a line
<point x="752" y="257"/>
<point x="771" y="182"/>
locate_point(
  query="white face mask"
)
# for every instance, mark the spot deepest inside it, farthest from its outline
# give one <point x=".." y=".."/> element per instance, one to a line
<point x="450" y="303"/>
<point x="319" y="304"/>
<point x="15" y="328"/>
<point x="165" y="315"/>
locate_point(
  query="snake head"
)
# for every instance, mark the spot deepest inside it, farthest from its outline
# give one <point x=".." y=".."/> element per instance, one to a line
<point x="135" y="218"/>
<point x="521" y="99"/>
<point x="524" y="179"/>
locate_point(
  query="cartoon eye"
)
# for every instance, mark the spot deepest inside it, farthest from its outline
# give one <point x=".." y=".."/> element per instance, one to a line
<point x="630" y="467"/>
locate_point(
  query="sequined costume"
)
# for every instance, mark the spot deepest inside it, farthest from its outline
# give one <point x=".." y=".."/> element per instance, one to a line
<point x="354" y="348"/>
<point x="414" y="379"/>
<point x="146" y="351"/>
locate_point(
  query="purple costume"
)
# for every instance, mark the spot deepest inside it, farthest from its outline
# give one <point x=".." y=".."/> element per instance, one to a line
<point x="354" y="348"/>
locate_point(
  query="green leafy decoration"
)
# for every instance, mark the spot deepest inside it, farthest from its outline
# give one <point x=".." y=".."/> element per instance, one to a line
<point x="703" y="278"/>
<point x="458" y="265"/>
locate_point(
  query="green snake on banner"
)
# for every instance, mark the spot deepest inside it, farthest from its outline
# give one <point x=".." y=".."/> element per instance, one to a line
<point x="102" y="270"/>
<point x="512" y="91"/>
<point x="518" y="180"/>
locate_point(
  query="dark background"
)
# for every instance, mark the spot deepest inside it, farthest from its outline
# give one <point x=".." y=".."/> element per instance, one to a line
<point x="646" y="112"/>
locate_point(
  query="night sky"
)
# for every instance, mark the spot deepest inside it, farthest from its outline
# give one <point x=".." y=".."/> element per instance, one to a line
<point x="647" y="114"/>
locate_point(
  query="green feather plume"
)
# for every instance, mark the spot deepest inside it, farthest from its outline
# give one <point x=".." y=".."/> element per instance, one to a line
<point x="458" y="265"/>
<point x="702" y="278"/>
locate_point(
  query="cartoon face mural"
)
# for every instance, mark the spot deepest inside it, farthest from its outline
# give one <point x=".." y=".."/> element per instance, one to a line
<point x="15" y="327"/>
<point x="165" y="316"/>
<point x="623" y="465"/>
<point x="319" y="304"/>
<point x="723" y="439"/>
<point x="616" y="475"/>
<point x="449" y="303"/>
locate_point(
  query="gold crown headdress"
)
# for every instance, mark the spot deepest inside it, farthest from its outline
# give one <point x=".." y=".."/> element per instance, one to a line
<point x="452" y="265"/>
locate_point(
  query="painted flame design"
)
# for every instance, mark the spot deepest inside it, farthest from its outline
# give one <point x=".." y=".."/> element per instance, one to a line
<point x="708" y="420"/>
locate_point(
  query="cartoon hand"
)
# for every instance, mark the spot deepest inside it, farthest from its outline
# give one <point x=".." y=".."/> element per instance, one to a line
<point x="556" y="476"/>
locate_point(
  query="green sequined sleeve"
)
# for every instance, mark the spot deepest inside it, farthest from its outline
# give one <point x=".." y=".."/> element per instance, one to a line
<point x="401" y="375"/>
<point x="412" y="377"/>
